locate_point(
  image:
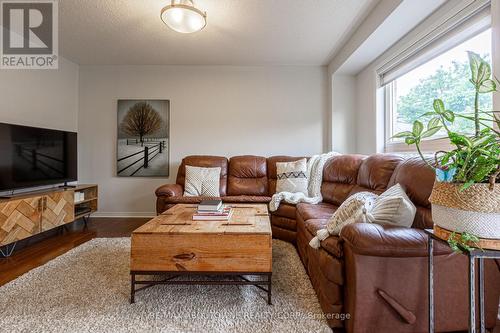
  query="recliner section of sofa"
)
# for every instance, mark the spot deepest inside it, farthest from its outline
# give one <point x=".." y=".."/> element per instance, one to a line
<point x="363" y="272"/>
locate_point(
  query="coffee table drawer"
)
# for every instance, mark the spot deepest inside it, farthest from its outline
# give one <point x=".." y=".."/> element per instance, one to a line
<point x="201" y="252"/>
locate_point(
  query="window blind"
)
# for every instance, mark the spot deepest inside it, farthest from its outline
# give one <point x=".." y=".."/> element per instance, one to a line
<point x="459" y="26"/>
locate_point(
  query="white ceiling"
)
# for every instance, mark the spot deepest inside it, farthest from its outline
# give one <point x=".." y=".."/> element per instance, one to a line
<point x="238" y="32"/>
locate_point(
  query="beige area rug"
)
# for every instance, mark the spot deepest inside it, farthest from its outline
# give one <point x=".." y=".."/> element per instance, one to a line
<point x="87" y="290"/>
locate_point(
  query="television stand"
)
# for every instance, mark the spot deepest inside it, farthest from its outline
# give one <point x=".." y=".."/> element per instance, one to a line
<point x="30" y="213"/>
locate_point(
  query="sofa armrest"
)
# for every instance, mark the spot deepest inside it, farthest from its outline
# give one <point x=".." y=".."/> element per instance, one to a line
<point x="389" y="241"/>
<point x="169" y="190"/>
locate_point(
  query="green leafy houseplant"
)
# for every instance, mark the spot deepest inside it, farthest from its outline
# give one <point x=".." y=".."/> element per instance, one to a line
<point x="475" y="158"/>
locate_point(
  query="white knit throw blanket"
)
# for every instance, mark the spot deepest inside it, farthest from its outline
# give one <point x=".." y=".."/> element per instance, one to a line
<point x="314" y="176"/>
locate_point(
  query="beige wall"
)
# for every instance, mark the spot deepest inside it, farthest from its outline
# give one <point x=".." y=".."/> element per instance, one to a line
<point x="40" y="98"/>
<point x="343" y="118"/>
<point x="214" y="110"/>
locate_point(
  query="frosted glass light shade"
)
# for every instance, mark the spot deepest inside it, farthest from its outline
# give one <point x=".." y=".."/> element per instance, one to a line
<point x="183" y="17"/>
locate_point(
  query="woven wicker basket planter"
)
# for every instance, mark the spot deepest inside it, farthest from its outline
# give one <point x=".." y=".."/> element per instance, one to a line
<point x="475" y="210"/>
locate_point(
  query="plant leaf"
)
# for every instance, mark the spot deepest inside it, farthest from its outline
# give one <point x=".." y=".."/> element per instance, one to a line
<point x="430" y="113"/>
<point x="438" y="106"/>
<point x="474" y="62"/>
<point x="431" y="131"/>
<point x="410" y="140"/>
<point x="418" y="127"/>
<point x="433" y="122"/>
<point x="459" y="140"/>
<point x="487" y="86"/>
<point x="449" y="115"/>
<point x="483" y="73"/>
<point x="402" y="135"/>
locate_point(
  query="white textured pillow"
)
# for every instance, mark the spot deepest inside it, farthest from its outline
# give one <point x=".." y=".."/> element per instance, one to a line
<point x="202" y="182"/>
<point x="352" y="210"/>
<point x="292" y="176"/>
<point x="393" y="207"/>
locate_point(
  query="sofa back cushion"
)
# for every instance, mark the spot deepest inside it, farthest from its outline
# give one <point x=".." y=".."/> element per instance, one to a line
<point x="417" y="179"/>
<point x="345" y="175"/>
<point x="272" y="172"/>
<point x="375" y="172"/>
<point x="340" y="174"/>
<point x="206" y="162"/>
<point x="247" y="175"/>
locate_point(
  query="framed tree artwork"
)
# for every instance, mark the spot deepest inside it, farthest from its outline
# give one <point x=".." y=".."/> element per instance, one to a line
<point x="143" y="142"/>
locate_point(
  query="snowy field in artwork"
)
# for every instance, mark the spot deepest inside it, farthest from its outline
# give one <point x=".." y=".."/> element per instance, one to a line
<point x="157" y="166"/>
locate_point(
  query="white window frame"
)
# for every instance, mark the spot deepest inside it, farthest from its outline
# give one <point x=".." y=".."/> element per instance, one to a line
<point x="426" y="145"/>
<point x="457" y="25"/>
<point x="429" y="145"/>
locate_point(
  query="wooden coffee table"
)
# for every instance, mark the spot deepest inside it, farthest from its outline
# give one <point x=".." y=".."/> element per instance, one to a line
<point x="173" y="245"/>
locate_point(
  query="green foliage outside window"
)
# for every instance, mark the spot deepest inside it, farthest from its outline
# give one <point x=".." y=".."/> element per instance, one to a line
<point x="451" y="85"/>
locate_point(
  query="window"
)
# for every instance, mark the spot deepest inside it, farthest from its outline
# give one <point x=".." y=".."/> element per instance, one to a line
<point x="446" y="76"/>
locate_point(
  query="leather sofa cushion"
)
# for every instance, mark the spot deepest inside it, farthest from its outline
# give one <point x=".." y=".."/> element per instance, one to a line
<point x="169" y="190"/>
<point x="286" y="210"/>
<point x="247" y="175"/>
<point x="271" y="169"/>
<point x="340" y="174"/>
<point x="389" y="241"/>
<point x="284" y="234"/>
<point x="332" y="245"/>
<point x="319" y="211"/>
<point x="376" y="170"/>
<point x="247" y="198"/>
<point x="205" y="162"/>
<point x="233" y="199"/>
<point x="284" y="222"/>
<point x="417" y="179"/>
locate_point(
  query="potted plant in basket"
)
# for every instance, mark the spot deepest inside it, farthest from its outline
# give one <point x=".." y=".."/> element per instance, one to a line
<point x="466" y="197"/>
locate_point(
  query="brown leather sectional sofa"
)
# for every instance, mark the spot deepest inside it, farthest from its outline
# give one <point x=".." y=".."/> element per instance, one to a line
<point x="373" y="278"/>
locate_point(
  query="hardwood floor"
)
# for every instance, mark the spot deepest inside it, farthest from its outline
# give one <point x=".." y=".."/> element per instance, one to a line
<point x="37" y="251"/>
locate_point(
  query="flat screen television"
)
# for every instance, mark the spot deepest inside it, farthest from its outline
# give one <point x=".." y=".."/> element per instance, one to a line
<point x="31" y="156"/>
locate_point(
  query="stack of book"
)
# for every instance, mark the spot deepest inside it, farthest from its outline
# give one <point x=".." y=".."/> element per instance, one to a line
<point x="212" y="210"/>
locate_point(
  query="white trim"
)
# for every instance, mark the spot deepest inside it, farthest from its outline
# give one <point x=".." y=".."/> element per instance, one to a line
<point x="426" y="146"/>
<point x="124" y="214"/>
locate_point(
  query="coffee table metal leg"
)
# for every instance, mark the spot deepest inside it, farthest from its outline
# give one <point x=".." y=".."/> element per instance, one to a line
<point x="132" y="288"/>
<point x="269" y="284"/>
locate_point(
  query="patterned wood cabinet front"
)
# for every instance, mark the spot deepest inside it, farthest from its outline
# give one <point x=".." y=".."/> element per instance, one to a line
<point x="58" y="209"/>
<point x="20" y="219"/>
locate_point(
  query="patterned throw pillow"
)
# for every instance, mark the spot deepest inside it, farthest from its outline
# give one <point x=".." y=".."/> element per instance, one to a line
<point x="292" y="176"/>
<point x="352" y="210"/>
<point x="202" y="182"/>
<point x="393" y="207"/>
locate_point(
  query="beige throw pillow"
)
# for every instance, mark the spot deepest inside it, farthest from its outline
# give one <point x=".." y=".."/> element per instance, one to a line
<point x="292" y="176"/>
<point x="352" y="210"/>
<point x="393" y="207"/>
<point x="202" y="181"/>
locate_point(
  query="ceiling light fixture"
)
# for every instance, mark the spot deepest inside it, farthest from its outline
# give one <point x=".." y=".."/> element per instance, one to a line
<point x="182" y="16"/>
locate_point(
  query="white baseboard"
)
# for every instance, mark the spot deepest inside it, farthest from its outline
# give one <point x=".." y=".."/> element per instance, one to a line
<point x="124" y="214"/>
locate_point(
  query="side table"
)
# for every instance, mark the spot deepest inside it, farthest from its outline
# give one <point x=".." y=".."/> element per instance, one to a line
<point x="478" y="254"/>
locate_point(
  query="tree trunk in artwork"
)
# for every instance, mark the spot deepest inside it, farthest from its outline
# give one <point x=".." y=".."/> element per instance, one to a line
<point x="141" y="119"/>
